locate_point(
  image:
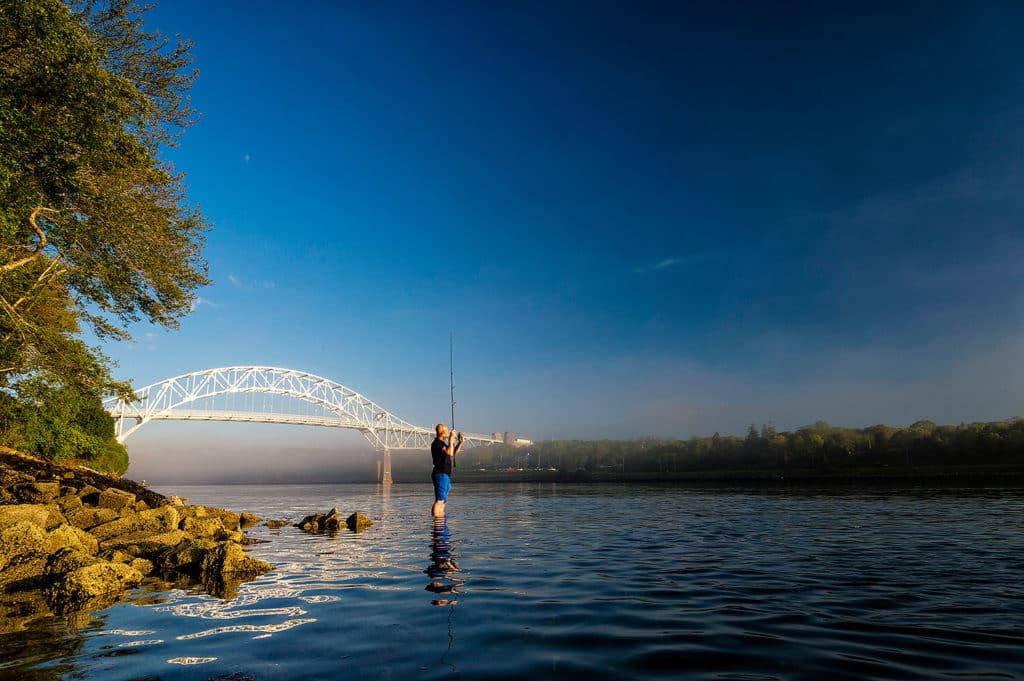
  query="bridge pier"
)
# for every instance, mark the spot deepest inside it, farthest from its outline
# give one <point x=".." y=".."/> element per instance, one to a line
<point x="385" y="467"/>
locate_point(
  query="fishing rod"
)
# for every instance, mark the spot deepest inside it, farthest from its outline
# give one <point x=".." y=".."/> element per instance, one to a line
<point x="451" y="366"/>
<point x="451" y="370"/>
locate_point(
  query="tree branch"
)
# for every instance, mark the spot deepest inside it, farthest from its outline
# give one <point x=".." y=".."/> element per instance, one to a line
<point x="39" y="247"/>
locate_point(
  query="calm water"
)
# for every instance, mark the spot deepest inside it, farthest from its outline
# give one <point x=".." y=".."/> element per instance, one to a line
<point x="603" y="581"/>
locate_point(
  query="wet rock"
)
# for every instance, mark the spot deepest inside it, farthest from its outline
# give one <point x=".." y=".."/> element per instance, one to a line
<point x="16" y="513"/>
<point x="311" y="523"/>
<point x="331" y="522"/>
<point x="358" y="522"/>
<point x="274" y="524"/>
<point x="186" y="556"/>
<point x="90" y="586"/>
<point x="85" y="538"/>
<point x="144" y="566"/>
<point x="230" y="559"/>
<point x="249" y="519"/>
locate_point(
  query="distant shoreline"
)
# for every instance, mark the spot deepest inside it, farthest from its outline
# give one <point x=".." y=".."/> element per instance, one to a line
<point x="1007" y="475"/>
<point x="1011" y="475"/>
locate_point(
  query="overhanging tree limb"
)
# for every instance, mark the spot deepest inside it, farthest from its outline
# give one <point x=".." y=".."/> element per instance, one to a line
<point x="39" y="246"/>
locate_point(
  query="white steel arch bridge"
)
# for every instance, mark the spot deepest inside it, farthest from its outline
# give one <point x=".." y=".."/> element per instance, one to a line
<point x="208" y="395"/>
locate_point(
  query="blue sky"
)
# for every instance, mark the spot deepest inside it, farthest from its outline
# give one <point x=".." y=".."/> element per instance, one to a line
<point x="661" y="219"/>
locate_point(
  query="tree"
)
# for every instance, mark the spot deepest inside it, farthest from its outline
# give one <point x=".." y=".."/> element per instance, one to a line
<point x="94" y="225"/>
<point x="95" y="228"/>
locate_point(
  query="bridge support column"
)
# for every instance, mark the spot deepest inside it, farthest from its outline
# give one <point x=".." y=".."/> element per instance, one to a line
<point x="385" y="476"/>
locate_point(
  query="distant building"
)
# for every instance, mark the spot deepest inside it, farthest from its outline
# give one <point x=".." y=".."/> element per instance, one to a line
<point x="495" y="436"/>
<point x="510" y="437"/>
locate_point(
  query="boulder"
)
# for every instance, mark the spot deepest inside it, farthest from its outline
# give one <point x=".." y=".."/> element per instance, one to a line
<point x="230" y="559"/>
<point x="69" y="502"/>
<point x="274" y="524"/>
<point x="321" y="522"/>
<point x="88" y="518"/>
<point x="187" y="556"/>
<point x="249" y="519"/>
<point x="311" y="523"/>
<point x="71" y="537"/>
<point x="66" y="560"/>
<point x="227" y="565"/>
<point x="208" y="528"/>
<point x="89" y="495"/>
<point x="144" y="566"/>
<point x="358" y="522"/>
<point x="116" y="499"/>
<point x="16" y="513"/>
<point x="22" y="542"/>
<point x="153" y="521"/>
<point x="90" y="585"/>
<point x="229" y="519"/>
<point x="37" y="492"/>
<point x="118" y="556"/>
<point x="54" y="518"/>
<point x="145" y="543"/>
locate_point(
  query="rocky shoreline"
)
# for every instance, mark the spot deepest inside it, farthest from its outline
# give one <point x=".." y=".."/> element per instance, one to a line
<point x="73" y="540"/>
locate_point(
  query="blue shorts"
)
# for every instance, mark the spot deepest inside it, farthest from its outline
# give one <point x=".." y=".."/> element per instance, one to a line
<point x="442" y="485"/>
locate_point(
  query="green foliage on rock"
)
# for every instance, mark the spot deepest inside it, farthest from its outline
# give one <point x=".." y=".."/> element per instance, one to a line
<point x="95" y="228"/>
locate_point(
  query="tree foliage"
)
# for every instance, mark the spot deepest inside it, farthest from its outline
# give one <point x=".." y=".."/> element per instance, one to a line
<point x="94" y="225"/>
<point x="818" y="447"/>
<point x="95" y="228"/>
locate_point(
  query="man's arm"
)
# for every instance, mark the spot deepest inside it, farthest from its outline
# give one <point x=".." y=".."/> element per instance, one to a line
<point x="458" y="445"/>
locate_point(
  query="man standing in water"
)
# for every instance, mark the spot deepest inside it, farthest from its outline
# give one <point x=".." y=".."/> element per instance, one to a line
<point x="441" y="451"/>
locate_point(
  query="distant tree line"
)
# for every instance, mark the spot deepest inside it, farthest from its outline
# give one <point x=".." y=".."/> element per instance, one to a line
<point x="818" y="446"/>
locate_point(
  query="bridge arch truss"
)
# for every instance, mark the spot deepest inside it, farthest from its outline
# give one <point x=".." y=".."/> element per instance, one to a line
<point x="342" y="407"/>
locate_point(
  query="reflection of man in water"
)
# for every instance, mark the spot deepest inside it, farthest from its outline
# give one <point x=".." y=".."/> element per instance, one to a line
<point x="441" y="451"/>
<point x="442" y="566"/>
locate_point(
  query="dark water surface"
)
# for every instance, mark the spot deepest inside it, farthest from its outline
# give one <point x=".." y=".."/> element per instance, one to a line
<point x="546" y="581"/>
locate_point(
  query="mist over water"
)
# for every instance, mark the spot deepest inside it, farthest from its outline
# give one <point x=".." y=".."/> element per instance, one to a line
<point x="584" y="581"/>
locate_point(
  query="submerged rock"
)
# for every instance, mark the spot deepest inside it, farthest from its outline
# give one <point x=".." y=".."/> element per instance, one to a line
<point x="358" y="522"/>
<point x="331" y="522"/>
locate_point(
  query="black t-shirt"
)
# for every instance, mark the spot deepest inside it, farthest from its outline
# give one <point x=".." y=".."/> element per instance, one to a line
<point x="442" y="462"/>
